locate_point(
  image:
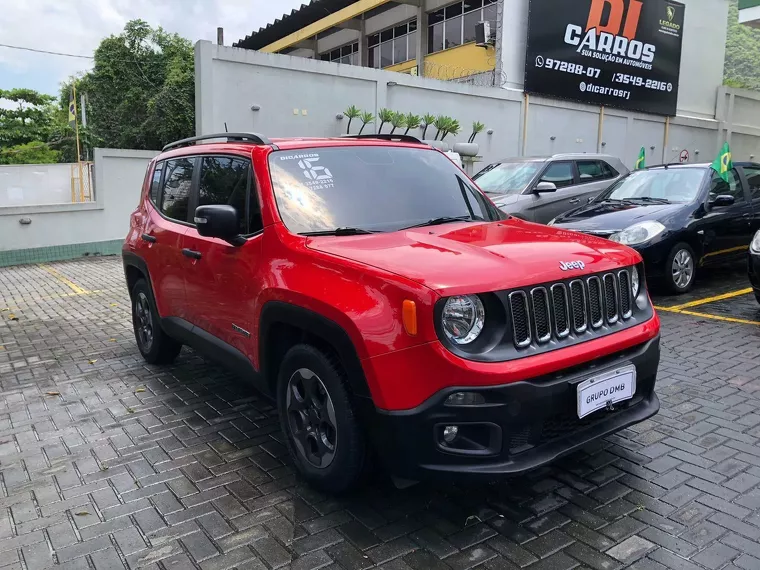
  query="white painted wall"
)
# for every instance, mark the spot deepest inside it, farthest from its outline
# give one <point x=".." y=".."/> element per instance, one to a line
<point x="119" y="176"/>
<point x="27" y="184"/>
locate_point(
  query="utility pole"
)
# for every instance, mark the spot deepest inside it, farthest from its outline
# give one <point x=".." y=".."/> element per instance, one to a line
<point x="220" y="36"/>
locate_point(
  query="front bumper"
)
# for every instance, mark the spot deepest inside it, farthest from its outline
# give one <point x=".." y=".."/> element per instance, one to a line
<point x="522" y="425"/>
<point x="753" y="271"/>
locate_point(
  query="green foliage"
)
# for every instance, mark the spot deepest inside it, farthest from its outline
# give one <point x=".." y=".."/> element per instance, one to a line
<point x="352" y="113"/>
<point x="440" y="123"/>
<point x="385" y="116"/>
<point x="366" y="117"/>
<point x="412" y="122"/>
<point x="29" y="119"/>
<point x="398" y="121"/>
<point x="427" y="120"/>
<point x="452" y="128"/>
<point x="742" y="53"/>
<point x="34" y="152"/>
<point x="477" y="128"/>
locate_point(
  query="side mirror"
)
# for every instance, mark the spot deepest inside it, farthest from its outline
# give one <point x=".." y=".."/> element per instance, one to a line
<point x="722" y="200"/>
<point x="545" y="187"/>
<point x="219" y="222"/>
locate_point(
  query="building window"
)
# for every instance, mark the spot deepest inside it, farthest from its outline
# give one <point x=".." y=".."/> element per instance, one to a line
<point x="346" y="54"/>
<point x="455" y="24"/>
<point x="393" y="46"/>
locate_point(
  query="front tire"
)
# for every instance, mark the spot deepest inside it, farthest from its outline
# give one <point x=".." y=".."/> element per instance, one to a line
<point x="680" y="268"/>
<point x="322" y="433"/>
<point x="153" y="343"/>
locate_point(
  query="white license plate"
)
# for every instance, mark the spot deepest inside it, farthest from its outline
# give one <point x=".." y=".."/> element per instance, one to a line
<point x="608" y="388"/>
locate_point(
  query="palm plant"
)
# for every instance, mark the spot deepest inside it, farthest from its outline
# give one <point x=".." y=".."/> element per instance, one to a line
<point x="385" y="116"/>
<point x="440" y="123"/>
<point x="477" y="128"/>
<point x="452" y="128"/>
<point x="427" y="120"/>
<point x="366" y="117"/>
<point x="398" y="121"/>
<point x="412" y="122"/>
<point x="352" y="113"/>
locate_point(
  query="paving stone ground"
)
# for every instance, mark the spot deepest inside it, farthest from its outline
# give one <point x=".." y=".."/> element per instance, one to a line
<point x="106" y="462"/>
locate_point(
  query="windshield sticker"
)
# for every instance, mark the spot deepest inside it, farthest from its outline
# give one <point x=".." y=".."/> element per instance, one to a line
<point x="318" y="177"/>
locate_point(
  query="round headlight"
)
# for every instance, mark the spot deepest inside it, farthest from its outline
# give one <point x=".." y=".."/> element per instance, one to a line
<point x="463" y="318"/>
<point x="638" y="233"/>
<point x="755" y="245"/>
<point x="635" y="281"/>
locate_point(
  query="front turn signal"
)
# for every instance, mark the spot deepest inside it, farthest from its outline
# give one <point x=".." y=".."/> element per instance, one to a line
<point x="409" y="316"/>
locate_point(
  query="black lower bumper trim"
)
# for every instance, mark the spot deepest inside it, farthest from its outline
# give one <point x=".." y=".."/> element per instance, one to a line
<point x="516" y="428"/>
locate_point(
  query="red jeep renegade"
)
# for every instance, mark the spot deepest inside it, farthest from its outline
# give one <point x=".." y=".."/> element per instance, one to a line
<point x="385" y="304"/>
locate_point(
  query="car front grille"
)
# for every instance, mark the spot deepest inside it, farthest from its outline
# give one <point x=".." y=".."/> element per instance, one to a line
<point x="555" y="311"/>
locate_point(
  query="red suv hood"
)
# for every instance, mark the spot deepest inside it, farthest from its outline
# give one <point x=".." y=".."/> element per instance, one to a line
<point x="475" y="258"/>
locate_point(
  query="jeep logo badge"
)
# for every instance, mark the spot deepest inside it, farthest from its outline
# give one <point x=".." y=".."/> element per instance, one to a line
<point x="568" y="265"/>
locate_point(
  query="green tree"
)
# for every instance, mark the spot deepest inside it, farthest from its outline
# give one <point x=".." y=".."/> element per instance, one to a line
<point x="742" y="53"/>
<point x="34" y="152"/>
<point x="29" y="118"/>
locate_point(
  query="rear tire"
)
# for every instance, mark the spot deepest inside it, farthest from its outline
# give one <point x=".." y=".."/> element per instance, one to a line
<point x="153" y="343"/>
<point x="680" y="269"/>
<point x="321" y="430"/>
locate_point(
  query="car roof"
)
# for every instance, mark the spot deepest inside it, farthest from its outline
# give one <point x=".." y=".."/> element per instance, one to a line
<point x="561" y="156"/>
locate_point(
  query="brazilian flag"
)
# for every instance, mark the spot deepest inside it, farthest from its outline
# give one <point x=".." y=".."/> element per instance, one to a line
<point x="723" y="164"/>
<point x="641" y="162"/>
<point x="72" y="111"/>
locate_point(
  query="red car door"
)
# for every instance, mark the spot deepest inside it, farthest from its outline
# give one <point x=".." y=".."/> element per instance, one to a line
<point x="219" y="277"/>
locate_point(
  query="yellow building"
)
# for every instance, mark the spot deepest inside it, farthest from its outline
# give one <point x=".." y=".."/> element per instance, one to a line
<point x="432" y="38"/>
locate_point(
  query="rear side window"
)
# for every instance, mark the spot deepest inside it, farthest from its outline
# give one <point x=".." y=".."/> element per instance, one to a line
<point x="594" y="170"/>
<point x="226" y="181"/>
<point x="560" y="173"/>
<point x="155" y="184"/>
<point x="177" y="181"/>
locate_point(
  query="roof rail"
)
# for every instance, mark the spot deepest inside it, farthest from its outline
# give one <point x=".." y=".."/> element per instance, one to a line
<point x="252" y="138"/>
<point x="387" y="137"/>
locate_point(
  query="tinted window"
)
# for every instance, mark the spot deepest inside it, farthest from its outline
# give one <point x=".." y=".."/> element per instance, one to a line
<point x="507" y="177"/>
<point x="225" y="181"/>
<point x="177" y="182"/>
<point x="672" y="184"/>
<point x="155" y="183"/>
<point x="592" y="170"/>
<point x="560" y="173"/>
<point x="753" y="180"/>
<point x="733" y="187"/>
<point x="371" y="187"/>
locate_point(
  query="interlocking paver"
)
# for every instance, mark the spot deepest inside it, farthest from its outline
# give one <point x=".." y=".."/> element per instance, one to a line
<point x="196" y="474"/>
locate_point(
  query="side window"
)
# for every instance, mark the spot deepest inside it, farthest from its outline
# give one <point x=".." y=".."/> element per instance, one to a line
<point x="225" y="181"/>
<point x="561" y="173"/>
<point x="177" y="182"/>
<point x="156" y="182"/>
<point x="595" y="170"/>
<point x="733" y="187"/>
<point x="753" y="180"/>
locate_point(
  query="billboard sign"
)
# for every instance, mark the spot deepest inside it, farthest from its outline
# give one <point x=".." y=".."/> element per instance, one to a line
<point x="618" y="53"/>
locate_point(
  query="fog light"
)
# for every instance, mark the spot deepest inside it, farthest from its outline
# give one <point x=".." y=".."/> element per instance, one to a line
<point x="450" y="433"/>
<point x="465" y="399"/>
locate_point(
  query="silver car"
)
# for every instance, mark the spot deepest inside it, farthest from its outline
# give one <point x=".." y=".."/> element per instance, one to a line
<point x="540" y="189"/>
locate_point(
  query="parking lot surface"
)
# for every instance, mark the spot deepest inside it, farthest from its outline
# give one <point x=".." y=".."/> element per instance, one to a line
<point x="106" y="462"/>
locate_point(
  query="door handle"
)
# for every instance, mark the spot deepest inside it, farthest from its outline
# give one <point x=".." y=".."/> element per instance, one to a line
<point x="149" y="238"/>
<point x="191" y="254"/>
<point x="575" y="201"/>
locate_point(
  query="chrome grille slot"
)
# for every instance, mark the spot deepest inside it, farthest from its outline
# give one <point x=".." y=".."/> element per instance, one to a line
<point x="578" y="295"/>
<point x="560" y="306"/>
<point x="595" y="302"/>
<point x="610" y="298"/>
<point x="624" y="281"/>
<point x="518" y="302"/>
<point x="541" y="316"/>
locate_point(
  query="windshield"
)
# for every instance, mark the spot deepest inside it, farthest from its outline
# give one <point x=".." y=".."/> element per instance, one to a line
<point x="373" y="188"/>
<point x="671" y="185"/>
<point x="507" y="177"/>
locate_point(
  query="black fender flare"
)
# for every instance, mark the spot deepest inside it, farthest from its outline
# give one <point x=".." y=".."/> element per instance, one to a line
<point x="278" y="312"/>
<point x="130" y="259"/>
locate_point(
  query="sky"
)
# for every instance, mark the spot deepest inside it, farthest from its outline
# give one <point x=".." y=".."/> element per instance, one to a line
<point x="77" y="26"/>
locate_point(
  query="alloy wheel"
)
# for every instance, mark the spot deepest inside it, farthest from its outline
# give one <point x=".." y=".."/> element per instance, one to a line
<point x="143" y="321"/>
<point x="683" y="269"/>
<point x="311" y="418"/>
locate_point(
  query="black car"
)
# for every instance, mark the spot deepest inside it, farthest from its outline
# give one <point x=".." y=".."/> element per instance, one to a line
<point x="754" y="265"/>
<point x="679" y="217"/>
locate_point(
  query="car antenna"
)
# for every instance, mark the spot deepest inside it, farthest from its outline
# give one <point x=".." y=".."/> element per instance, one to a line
<point x="225" y="127"/>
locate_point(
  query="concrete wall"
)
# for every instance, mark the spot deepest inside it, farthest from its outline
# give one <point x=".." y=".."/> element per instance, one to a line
<point x="119" y="175"/>
<point x="27" y="184"/>
<point x="701" y="60"/>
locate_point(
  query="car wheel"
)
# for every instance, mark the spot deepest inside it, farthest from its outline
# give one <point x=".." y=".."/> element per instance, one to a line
<point x="680" y="269"/>
<point x="154" y="344"/>
<point x="322" y="433"/>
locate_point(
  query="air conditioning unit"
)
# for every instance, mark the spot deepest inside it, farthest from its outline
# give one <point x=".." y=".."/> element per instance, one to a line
<point x="483" y="35"/>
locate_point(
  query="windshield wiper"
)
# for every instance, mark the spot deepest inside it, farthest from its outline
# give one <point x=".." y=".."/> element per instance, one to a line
<point x="651" y="199"/>
<point x="442" y="220"/>
<point x="346" y="231"/>
<point x="625" y="201"/>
